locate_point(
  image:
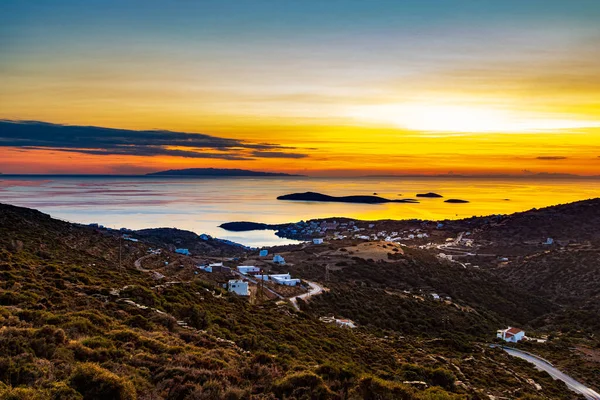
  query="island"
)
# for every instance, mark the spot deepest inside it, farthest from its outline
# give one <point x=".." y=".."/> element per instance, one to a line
<point x="244" y="226"/>
<point x="313" y="196"/>
<point x="457" y="201"/>
<point x="429" y="195"/>
<point x="218" y="172"/>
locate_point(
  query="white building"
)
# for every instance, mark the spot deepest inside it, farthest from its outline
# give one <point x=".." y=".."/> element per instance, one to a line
<point x="435" y="296"/>
<point x="345" y="323"/>
<point x="204" y="236"/>
<point x="549" y="241"/>
<point x="248" y="269"/>
<point x="263" y="253"/>
<point x="510" y="334"/>
<point x="318" y="241"/>
<point x="284" y="279"/>
<point x="205" y="268"/>
<point x="185" y="252"/>
<point x="277" y="259"/>
<point x="238" y="287"/>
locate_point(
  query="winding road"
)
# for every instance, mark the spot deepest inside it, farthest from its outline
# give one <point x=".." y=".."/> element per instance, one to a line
<point x="315" y="289"/>
<point x="555" y="373"/>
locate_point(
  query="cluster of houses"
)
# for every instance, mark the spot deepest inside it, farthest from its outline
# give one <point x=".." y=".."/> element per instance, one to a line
<point x="306" y="230"/>
<point x="280" y="279"/>
<point x="241" y="286"/>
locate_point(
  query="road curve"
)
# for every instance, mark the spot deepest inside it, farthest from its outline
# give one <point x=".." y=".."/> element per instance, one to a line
<point x="315" y="289"/>
<point x="555" y="373"/>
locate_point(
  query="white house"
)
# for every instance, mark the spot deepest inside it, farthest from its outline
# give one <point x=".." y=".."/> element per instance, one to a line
<point x="248" y="269"/>
<point x="284" y="279"/>
<point x="277" y="259"/>
<point x="549" y="241"/>
<point x="318" y="241"/>
<point x="345" y="323"/>
<point x="204" y="236"/>
<point x="510" y="334"/>
<point x="205" y="268"/>
<point x="435" y="296"/>
<point x="185" y="252"/>
<point x="238" y="287"/>
<point x="263" y="253"/>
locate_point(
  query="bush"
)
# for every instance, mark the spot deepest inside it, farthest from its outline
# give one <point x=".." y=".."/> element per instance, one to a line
<point x="302" y="384"/>
<point x="22" y="394"/>
<point x="372" y="388"/>
<point x="94" y="382"/>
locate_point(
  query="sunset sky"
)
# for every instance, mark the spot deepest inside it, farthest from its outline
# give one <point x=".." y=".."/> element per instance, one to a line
<point x="316" y="87"/>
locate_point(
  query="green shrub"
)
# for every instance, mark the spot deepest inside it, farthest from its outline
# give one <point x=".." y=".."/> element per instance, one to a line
<point x="23" y="394"/>
<point x="373" y="388"/>
<point x="302" y="384"/>
<point x="94" y="383"/>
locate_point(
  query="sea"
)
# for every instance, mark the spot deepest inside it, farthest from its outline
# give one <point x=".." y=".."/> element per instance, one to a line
<point x="202" y="204"/>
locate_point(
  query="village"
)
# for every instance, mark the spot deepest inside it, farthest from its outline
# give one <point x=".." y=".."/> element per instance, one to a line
<point x="261" y="275"/>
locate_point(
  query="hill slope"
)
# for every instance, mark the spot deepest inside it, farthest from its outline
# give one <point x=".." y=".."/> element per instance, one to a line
<point x="75" y="325"/>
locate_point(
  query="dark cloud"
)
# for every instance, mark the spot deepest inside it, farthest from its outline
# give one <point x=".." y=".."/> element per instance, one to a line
<point x="30" y="135"/>
<point x="551" y="158"/>
<point x="277" y="154"/>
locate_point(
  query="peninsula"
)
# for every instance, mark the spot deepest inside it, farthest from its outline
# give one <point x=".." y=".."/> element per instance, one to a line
<point x="313" y="196"/>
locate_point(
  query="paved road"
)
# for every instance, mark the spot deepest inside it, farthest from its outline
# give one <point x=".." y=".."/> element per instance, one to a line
<point x="555" y="373"/>
<point x="315" y="289"/>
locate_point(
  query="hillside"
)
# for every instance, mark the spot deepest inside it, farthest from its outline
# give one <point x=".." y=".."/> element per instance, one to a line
<point x="76" y="325"/>
<point x="172" y="238"/>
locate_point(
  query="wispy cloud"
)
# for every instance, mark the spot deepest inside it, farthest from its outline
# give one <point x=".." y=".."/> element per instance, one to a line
<point x="34" y="135"/>
<point x="550" y="158"/>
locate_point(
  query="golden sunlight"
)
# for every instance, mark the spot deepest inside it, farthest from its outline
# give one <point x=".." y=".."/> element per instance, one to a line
<point x="444" y="117"/>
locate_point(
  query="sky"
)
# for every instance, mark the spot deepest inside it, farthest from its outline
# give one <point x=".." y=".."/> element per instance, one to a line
<point x="325" y="88"/>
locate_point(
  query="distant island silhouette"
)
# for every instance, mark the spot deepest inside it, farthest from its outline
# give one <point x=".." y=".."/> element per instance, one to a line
<point x="429" y="195"/>
<point x="457" y="201"/>
<point x="313" y="196"/>
<point x="216" y="172"/>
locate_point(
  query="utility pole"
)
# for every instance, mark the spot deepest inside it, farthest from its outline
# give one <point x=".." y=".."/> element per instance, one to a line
<point x="120" y="245"/>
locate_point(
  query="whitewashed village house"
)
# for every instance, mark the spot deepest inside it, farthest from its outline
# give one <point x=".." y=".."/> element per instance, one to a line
<point x="248" y="269"/>
<point x="318" y="241"/>
<point x="512" y="335"/>
<point x="238" y="287"/>
<point x="277" y="259"/>
<point x="284" y="279"/>
<point x="345" y="323"/>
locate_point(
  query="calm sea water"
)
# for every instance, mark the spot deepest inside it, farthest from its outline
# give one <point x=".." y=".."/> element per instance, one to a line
<point x="200" y="205"/>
